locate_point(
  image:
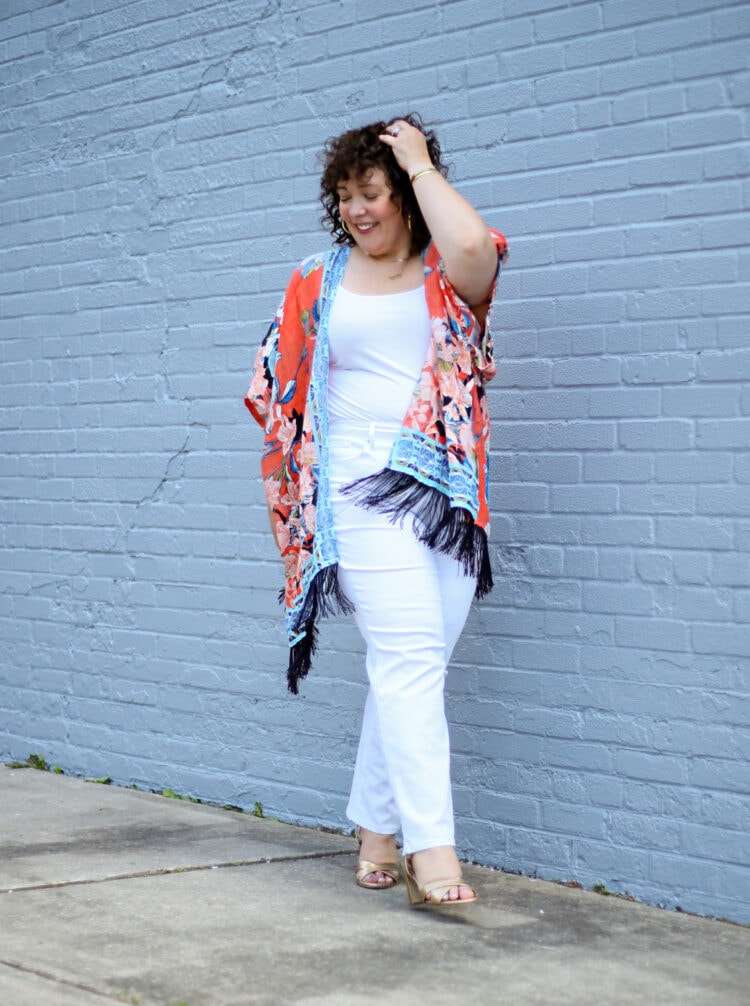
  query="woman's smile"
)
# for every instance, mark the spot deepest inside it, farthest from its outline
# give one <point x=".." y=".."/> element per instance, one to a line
<point x="373" y="217"/>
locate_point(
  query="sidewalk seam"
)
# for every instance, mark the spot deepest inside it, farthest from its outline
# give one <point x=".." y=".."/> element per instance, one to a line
<point x="169" y="870"/>
<point x="60" y="981"/>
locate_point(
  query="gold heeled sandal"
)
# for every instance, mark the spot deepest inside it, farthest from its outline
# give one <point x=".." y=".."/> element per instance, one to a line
<point x="432" y="894"/>
<point x="365" y="868"/>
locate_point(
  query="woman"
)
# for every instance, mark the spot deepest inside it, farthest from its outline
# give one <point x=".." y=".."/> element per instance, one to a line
<point x="370" y="387"/>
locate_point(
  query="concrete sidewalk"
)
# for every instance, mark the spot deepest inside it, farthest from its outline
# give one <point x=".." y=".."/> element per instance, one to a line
<point x="111" y="895"/>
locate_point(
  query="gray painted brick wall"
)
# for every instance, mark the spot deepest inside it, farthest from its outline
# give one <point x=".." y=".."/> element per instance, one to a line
<point x="159" y="181"/>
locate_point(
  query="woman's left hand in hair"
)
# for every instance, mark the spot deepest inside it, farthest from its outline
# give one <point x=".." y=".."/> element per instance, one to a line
<point x="409" y="146"/>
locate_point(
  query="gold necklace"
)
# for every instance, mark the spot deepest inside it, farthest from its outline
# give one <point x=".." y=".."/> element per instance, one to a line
<point x="396" y="275"/>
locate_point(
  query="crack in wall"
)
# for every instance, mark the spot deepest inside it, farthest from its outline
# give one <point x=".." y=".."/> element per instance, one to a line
<point x="154" y="495"/>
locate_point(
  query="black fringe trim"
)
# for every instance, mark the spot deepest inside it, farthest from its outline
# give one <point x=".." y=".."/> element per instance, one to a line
<point x="300" y="658"/>
<point x="440" y="526"/>
<point x="324" y="597"/>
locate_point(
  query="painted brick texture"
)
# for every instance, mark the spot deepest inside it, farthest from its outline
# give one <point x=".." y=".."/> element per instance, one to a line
<point x="159" y="181"/>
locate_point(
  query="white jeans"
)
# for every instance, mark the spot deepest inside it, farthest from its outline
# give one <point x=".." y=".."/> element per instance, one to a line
<point x="411" y="605"/>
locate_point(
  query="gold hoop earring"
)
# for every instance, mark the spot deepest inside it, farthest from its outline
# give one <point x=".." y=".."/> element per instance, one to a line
<point x="345" y="229"/>
<point x="408" y="221"/>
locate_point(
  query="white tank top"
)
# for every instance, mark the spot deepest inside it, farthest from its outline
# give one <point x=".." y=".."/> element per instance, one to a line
<point x="377" y="349"/>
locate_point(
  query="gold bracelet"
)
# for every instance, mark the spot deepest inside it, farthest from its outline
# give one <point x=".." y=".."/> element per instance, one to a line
<point x="424" y="171"/>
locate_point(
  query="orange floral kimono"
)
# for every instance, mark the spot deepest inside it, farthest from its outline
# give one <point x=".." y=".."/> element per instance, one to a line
<point x="438" y="469"/>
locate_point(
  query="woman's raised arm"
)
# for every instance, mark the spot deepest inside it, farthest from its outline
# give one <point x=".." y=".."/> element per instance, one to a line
<point x="460" y="234"/>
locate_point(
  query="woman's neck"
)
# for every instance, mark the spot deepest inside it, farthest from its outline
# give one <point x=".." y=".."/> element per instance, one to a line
<point x="367" y="274"/>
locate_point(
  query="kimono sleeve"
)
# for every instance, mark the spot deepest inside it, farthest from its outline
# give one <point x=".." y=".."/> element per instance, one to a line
<point x="260" y="394"/>
<point x="264" y="383"/>
<point x="484" y="314"/>
<point x="482" y="311"/>
<point x="281" y="373"/>
<point x="470" y="323"/>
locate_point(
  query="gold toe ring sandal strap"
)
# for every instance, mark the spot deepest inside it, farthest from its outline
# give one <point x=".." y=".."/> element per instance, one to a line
<point x="437" y="889"/>
<point x="365" y="868"/>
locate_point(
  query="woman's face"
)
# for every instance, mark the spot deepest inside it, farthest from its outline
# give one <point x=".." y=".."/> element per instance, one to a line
<point x="371" y="215"/>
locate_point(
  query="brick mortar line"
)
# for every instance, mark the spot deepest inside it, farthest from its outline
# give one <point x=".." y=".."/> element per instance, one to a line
<point x="169" y="870"/>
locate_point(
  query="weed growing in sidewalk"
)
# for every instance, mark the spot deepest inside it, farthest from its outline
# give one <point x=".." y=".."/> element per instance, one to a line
<point x="36" y="761"/>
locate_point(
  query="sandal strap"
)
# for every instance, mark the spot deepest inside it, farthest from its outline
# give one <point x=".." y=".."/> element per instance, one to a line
<point x="437" y="889"/>
<point x="365" y="867"/>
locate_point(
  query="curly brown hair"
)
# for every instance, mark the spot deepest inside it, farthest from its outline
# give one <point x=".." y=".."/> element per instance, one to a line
<point x="359" y="150"/>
